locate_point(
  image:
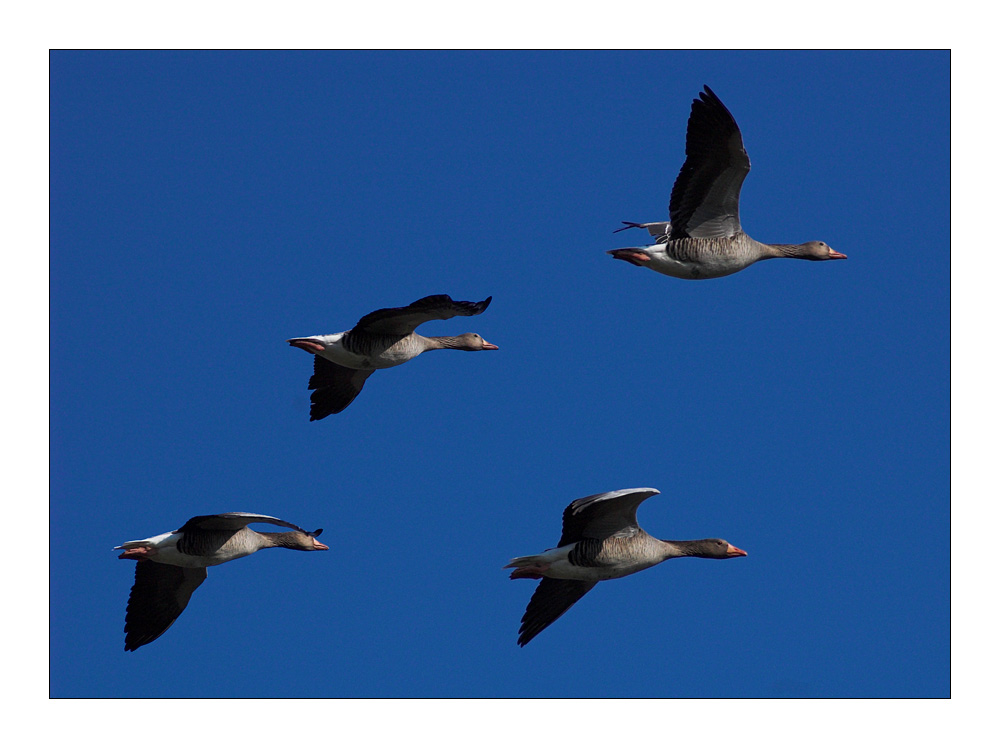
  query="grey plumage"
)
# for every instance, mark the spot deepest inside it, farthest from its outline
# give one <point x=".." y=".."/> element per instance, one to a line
<point x="208" y="534"/>
<point x="380" y="340"/>
<point x="601" y="539"/>
<point x="704" y="238"/>
<point x="170" y="567"/>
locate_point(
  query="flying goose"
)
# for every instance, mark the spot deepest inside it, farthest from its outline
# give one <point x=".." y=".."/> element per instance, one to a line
<point x="601" y="539"/>
<point x="703" y="238"/>
<point x="172" y="565"/>
<point x="384" y="338"/>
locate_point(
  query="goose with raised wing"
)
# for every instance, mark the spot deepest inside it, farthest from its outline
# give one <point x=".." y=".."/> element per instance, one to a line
<point x="380" y="340"/>
<point x="704" y="238"/>
<point x="171" y="566"/>
<point x="601" y="539"/>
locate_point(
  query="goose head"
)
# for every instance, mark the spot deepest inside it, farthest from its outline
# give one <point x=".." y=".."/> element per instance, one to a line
<point x="471" y="341"/>
<point x="710" y="548"/>
<point x="819" y="251"/>
<point x="302" y="541"/>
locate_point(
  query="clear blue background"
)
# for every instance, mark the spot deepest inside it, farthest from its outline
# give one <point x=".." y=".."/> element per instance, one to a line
<point x="205" y="207"/>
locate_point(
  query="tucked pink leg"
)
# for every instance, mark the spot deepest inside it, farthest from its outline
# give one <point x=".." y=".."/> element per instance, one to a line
<point x="137" y="553"/>
<point x="530" y="572"/>
<point x="307" y="345"/>
<point x="633" y="256"/>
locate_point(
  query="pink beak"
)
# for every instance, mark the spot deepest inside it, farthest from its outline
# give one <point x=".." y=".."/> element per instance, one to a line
<point x="490" y="347"/>
<point x="837" y="255"/>
<point x="733" y="551"/>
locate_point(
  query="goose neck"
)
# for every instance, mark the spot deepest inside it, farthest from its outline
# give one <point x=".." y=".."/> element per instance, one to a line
<point x="785" y="250"/>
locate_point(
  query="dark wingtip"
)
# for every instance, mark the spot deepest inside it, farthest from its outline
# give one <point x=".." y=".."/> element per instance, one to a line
<point x="709" y="96"/>
<point x="317" y="533"/>
<point x="628" y="225"/>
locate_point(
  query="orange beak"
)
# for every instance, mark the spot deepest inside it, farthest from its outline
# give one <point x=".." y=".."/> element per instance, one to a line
<point x="490" y="347"/>
<point x="733" y="551"/>
<point x="837" y="255"/>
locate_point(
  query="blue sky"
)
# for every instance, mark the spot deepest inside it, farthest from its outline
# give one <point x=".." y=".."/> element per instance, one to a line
<point x="205" y="207"/>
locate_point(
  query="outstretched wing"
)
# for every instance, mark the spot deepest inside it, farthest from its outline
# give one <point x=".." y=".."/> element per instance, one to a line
<point x="158" y="597"/>
<point x="405" y="319"/>
<point x="603" y="515"/>
<point x="335" y="387"/>
<point x="705" y="200"/>
<point x="551" y="599"/>
<point x="232" y="521"/>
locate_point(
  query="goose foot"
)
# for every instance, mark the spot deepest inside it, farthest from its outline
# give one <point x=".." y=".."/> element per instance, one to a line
<point x="530" y="572"/>
<point x="632" y="256"/>
<point x="309" y="346"/>
<point x="141" y="552"/>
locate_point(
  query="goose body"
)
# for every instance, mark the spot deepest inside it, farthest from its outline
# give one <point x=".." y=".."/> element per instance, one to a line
<point x="587" y="562"/>
<point x="601" y="540"/>
<point x="171" y="566"/>
<point x="380" y="340"/>
<point x="704" y="238"/>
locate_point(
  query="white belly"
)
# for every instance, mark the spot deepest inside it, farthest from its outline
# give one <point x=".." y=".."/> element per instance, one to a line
<point x="661" y="262"/>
